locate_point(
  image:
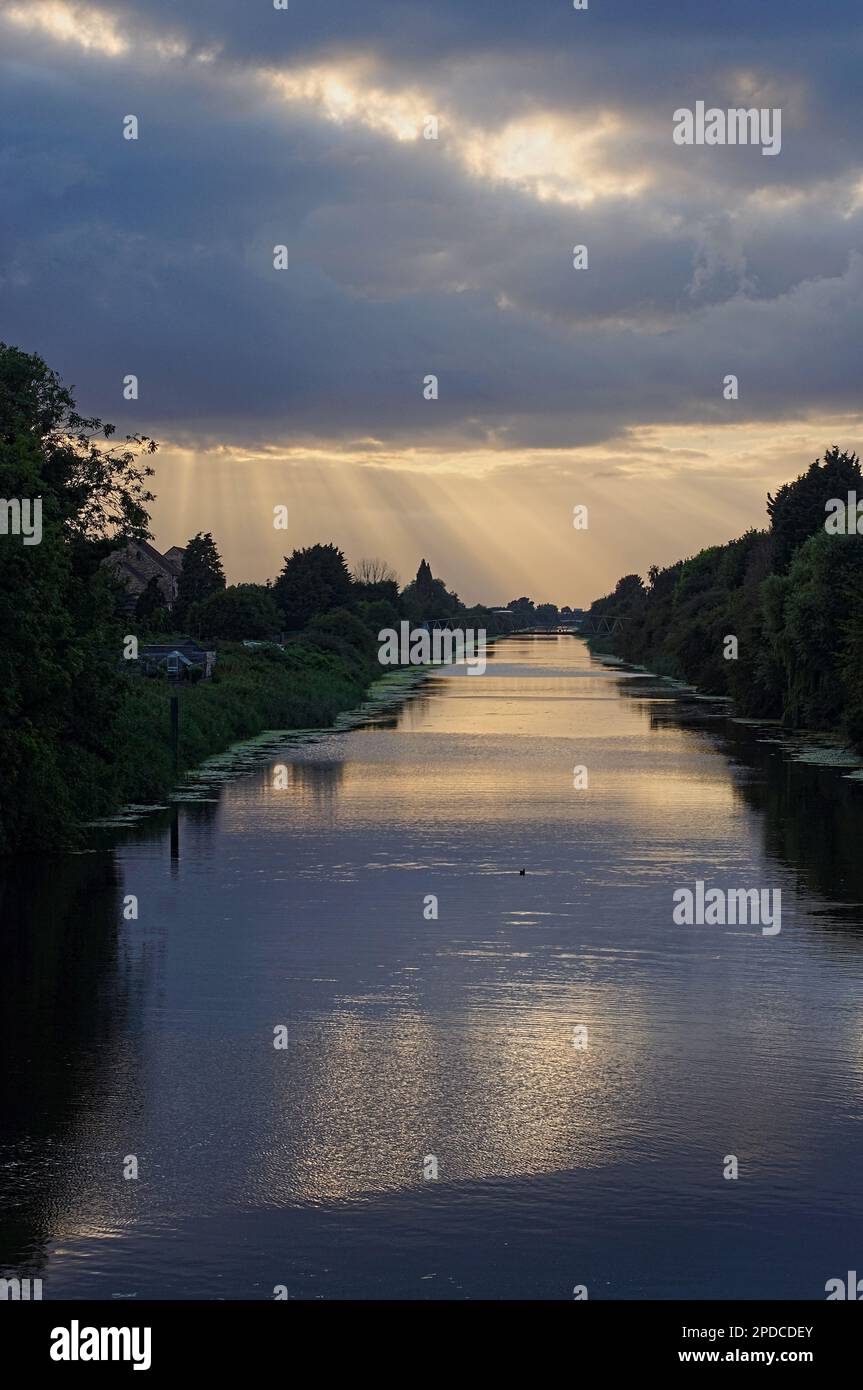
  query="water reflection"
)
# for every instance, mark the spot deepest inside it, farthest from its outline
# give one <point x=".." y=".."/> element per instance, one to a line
<point x="70" y="990"/>
<point x="809" y="817"/>
<point x="316" y="783"/>
<point x="450" y="1032"/>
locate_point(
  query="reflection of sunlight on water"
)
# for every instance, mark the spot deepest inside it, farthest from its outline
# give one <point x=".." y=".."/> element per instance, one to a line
<point x="491" y="1095"/>
<point x="450" y="1036"/>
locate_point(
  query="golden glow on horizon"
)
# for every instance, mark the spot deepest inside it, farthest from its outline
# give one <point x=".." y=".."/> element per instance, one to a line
<point x="493" y="523"/>
<point x="657" y="450"/>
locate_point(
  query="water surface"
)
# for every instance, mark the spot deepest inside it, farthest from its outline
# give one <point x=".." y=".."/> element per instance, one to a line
<point x="305" y="905"/>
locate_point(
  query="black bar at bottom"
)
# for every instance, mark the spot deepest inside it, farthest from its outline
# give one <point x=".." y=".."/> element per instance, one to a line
<point x="231" y="1339"/>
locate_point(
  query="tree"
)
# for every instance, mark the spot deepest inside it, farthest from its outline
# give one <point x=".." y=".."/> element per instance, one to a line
<point x="60" y="689"/>
<point x="369" y="573"/>
<point x="346" y="628"/>
<point x="424" y="582"/>
<point x="313" y="581"/>
<point x="823" y="600"/>
<point x="798" y="509"/>
<point x="242" y="612"/>
<point x="378" y="613"/>
<point x="375" y="581"/>
<point x="150" y="608"/>
<point x="427" y="597"/>
<point x="547" y="614"/>
<point x="202" y="574"/>
<point x="793" y="599"/>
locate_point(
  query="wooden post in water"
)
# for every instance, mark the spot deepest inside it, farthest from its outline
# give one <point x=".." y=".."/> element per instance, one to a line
<point x="175" y="731"/>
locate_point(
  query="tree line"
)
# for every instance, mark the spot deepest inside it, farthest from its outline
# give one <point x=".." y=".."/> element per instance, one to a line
<point x="314" y="584"/>
<point x="72" y="723"/>
<point x="791" y="595"/>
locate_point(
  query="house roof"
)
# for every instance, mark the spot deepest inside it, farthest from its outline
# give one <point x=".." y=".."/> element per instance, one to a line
<point x="159" y="649"/>
<point x="170" y="564"/>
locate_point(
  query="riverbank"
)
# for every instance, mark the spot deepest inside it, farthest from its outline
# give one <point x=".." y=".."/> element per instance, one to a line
<point x="264" y="692"/>
<point x="823" y="748"/>
<point x="306" y="684"/>
<point x="255" y="698"/>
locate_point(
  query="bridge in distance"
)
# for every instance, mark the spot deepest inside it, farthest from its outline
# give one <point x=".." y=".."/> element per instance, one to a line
<point x="580" y="627"/>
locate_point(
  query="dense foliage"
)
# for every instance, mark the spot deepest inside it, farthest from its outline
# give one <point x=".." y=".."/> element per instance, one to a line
<point x="792" y="596"/>
<point x="60" y="690"/>
<point x="240" y="612"/>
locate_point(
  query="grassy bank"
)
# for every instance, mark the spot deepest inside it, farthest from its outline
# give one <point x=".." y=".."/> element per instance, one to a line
<point x="301" y="687"/>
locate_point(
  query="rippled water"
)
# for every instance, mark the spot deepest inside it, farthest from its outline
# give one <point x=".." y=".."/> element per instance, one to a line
<point x="407" y="1037"/>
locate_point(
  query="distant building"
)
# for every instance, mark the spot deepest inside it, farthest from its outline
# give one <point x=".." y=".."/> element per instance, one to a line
<point x="176" y="660"/>
<point x="175" y="556"/>
<point x="139" y="562"/>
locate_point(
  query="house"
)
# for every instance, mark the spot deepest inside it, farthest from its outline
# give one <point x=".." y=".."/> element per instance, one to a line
<point x="177" y="660"/>
<point x="139" y="562"/>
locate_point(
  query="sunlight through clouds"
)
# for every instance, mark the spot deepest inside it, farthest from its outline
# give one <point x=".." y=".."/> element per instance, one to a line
<point x="346" y="94"/>
<point x="84" y="25"/>
<point x="452" y="257"/>
<point x="545" y="155"/>
<point x="553" y="158"/>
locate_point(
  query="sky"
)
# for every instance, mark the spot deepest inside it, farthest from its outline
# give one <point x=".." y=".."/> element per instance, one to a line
<point x="408" y="256"/>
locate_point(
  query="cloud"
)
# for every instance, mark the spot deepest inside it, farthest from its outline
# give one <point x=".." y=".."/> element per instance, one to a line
<point x="452" y="256"/>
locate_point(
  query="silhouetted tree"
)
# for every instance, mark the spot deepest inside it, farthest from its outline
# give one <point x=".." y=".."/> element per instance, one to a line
<point x="375" y="580"/>
<point x="150" y="602"/>
<point x="798" y="509"/>
<point x="424" y="582"/>
<point x="313" y="581"/>
<point x="369" y="573"/>
<point x="427" y="597"/>
<point x="60" y="690"/>
<point x="202" y="574"/>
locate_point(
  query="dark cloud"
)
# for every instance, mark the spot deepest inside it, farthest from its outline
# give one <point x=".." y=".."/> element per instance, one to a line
<point x="155" y="257"/>
<point x="420" y="29"/>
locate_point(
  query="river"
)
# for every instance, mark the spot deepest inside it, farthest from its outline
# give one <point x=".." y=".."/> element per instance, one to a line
<point x="579" y="1068"/>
